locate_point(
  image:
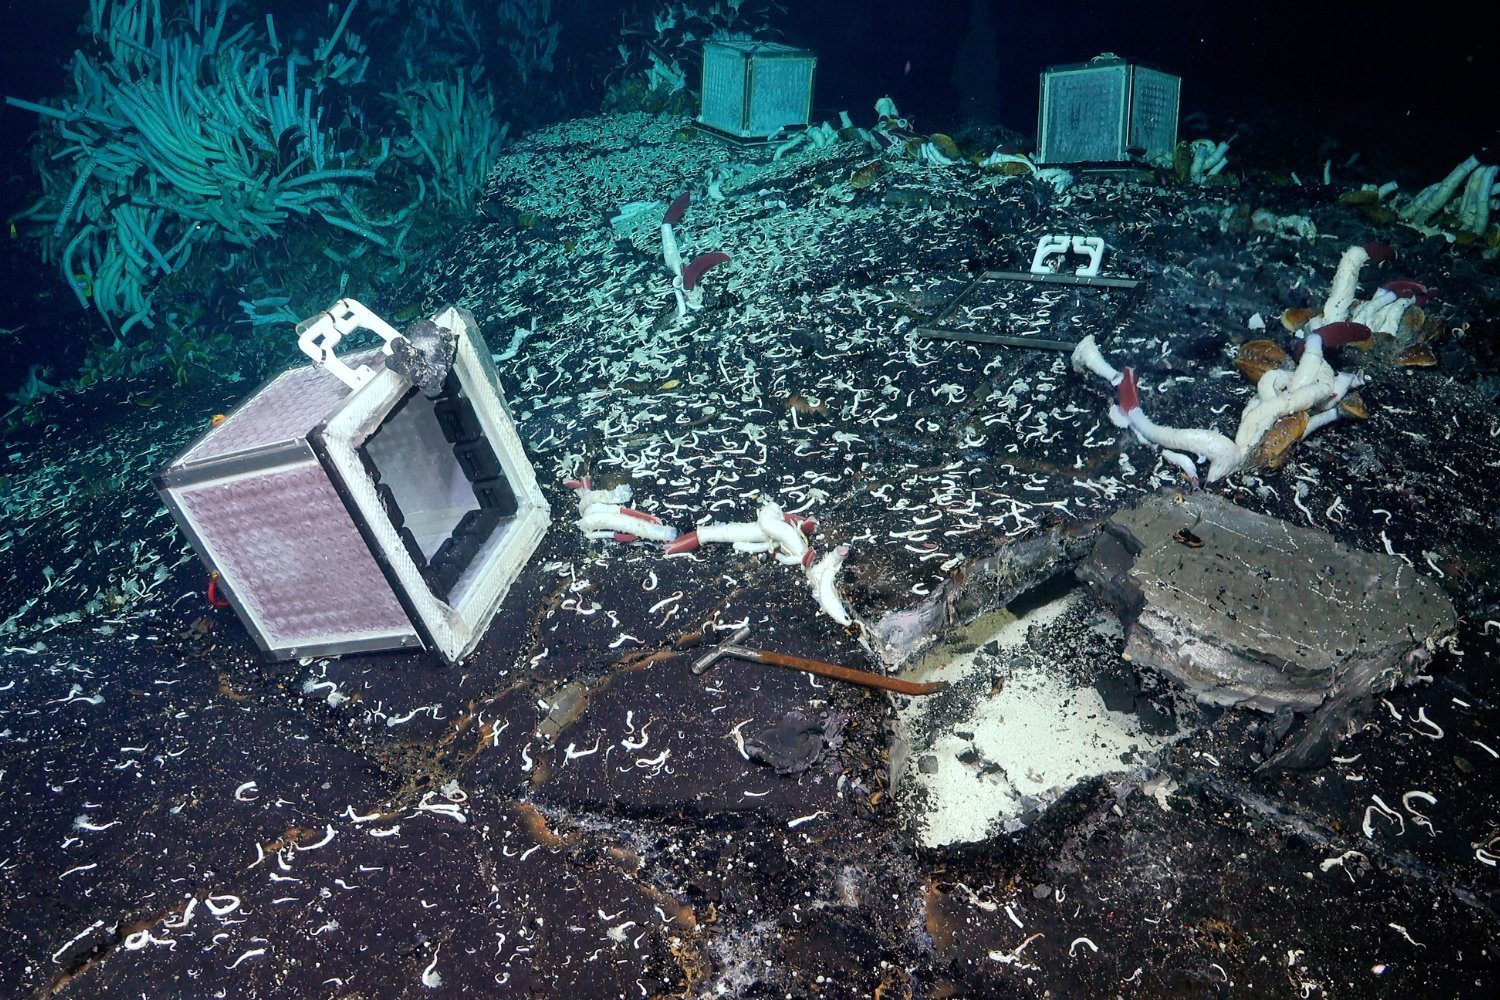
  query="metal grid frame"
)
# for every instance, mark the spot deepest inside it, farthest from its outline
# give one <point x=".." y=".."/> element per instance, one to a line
<point x="938" y="331"/>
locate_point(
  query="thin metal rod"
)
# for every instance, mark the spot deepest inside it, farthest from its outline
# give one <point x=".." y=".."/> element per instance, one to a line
<point x="833" y="670"/>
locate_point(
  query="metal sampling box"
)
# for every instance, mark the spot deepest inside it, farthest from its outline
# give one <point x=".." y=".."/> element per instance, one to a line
<point x="752" y="90"/>
<point x="346" y="509"/>
<point x="1107" y="110"/>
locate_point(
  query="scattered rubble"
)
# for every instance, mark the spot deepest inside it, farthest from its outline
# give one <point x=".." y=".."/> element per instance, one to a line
<point x="1019" y="726"/>
<point x="797" y="742"/>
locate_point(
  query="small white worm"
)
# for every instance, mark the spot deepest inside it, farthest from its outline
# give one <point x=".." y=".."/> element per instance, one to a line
<point x="430" y="977"/>
<point x="1417" y="817"/>
<point x="637" y="744"/>
<point x="1082" y="940"/>
<point x="1402" y="931"/>
<point x="252" y="953"/>
<point x="1437" y="730"/>
<point x="573" y="753"/>
<point x="327" y="836"/>
<point x="1369" y="827"/>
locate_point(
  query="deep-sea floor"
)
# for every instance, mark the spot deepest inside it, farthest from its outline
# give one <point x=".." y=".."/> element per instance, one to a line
<point x="574" y="812"/>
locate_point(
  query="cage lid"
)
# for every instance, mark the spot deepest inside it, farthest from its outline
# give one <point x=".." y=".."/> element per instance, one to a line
<point x="749" y="48"/>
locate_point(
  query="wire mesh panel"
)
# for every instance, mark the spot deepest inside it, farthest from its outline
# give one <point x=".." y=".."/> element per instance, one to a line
<point x="723" y="94"/>
<point x="780" y="92"/>
<point x="1153" y="111"/>
<point x="1083" y="114"/>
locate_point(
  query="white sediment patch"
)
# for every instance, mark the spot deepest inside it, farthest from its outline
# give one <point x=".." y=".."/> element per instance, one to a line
<point x="1018" y="749"/>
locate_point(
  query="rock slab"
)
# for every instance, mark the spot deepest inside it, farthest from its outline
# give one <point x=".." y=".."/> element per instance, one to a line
<point x="1244" y="609"/>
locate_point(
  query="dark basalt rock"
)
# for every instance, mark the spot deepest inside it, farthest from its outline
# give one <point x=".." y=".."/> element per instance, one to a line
<point x="797" y="742"/>
<point x="425" y="355"/>
<point x="1262" y="613"/>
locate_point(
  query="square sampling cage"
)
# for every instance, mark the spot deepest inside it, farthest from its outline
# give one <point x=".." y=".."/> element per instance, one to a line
<point x="752" y="90"/>
<point x="347" y="510"/>
<point x="1105" y="111"/>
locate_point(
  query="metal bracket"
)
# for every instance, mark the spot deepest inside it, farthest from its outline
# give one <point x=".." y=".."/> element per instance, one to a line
<point x="1091" y="247"/>
<point x="318" y="335"/>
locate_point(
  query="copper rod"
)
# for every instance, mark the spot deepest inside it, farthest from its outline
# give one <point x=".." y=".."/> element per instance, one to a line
<point x="834" y="671"/>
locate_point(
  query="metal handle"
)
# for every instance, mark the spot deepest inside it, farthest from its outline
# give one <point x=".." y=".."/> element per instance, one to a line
<point x="865" y="678"/>
<point x="317" y="336"/>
